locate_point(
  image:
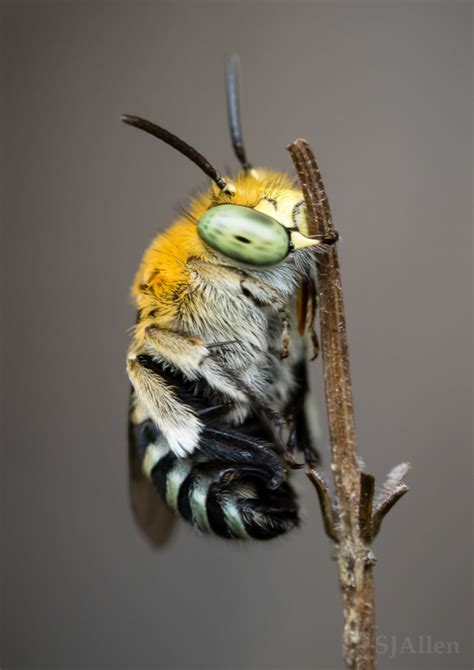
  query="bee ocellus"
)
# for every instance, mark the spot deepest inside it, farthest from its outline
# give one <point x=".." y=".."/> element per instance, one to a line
<point x="220" y="400"/>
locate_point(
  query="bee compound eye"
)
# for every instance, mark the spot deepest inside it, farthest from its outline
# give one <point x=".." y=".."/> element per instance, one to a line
<point x="245" y="235"/>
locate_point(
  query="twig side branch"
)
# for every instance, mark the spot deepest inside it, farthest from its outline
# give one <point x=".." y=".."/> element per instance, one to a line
<point x="325" y="503"/>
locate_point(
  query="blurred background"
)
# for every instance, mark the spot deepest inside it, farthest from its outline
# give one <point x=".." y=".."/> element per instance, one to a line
<point x="382" y="91"/>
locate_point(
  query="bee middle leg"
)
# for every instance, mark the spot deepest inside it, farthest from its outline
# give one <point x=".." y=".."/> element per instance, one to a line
<point x="197" y="388"/>
<point x="299" y="439"/>
<point x="302" y="424"/>
<point x="197" y="362"/>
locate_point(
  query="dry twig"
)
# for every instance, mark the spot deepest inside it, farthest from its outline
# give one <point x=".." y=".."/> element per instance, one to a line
<point x="353" y="518"/>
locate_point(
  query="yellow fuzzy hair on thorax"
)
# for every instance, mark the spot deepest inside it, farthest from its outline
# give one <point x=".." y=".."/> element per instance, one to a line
<point x="162" y="278"/>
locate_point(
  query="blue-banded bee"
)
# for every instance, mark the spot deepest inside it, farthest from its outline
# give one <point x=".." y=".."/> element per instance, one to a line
<point x="218" y="360"/>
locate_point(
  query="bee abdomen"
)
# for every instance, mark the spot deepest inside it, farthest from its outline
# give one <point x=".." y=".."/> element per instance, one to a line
<point x="243" y="509"/>
<point x="248" y="509"/>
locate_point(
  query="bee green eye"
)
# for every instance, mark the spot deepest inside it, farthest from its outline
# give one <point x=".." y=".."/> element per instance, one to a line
<point x="244" y="234"/>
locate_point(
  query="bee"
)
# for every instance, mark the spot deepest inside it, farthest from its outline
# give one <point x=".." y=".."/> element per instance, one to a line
<point x="220" y="400"/>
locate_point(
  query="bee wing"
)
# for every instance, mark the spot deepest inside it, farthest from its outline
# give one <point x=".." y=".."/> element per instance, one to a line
<point x="152" y="516"/>
<point x="306" y="306"/>
<point x="303" y="307"/>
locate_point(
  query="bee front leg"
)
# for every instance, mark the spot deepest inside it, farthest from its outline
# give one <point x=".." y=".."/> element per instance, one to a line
<point x="261" y="293"/>
<point x="266" y="296"/>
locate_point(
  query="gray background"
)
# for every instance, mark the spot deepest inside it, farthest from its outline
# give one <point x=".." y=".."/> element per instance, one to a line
<point x="387" y="109"/>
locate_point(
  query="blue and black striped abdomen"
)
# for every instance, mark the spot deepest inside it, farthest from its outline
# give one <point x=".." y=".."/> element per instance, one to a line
<point x="217" y="498"/>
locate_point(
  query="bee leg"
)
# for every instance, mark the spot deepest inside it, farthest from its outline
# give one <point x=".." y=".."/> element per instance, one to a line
<point x="151" y="370"/>
<point x="273" y="420"/>
<point x="244" y="507"/>
<point x="303" y="425"/>
<point x="192" y="358"/>
<point x="266" y="296"/>
<point x="228" y="473"/>
<point x="300" y="440"/>
<point x="278" y="507"/>
<point x="176" y="418"/>
<point x="224" y="445"/>
<point x="260" y="292"/>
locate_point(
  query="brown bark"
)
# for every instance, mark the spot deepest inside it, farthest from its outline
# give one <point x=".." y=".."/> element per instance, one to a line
<point x="349" y="518"/>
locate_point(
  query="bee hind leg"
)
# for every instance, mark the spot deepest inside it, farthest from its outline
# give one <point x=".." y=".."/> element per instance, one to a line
<point x="219" y="444"/>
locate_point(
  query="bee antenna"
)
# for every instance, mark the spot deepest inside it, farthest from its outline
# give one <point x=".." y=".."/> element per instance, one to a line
<point x="233" y="109"/>
<point x="183" y="148"/>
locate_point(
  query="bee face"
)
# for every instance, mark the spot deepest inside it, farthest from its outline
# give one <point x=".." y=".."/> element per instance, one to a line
<point x="262" y="235"/>
<point x="287" y="207"/>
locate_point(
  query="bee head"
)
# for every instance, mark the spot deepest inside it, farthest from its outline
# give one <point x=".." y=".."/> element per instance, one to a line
<point x="260" y="225"/>
<point x="258" y="218"/>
